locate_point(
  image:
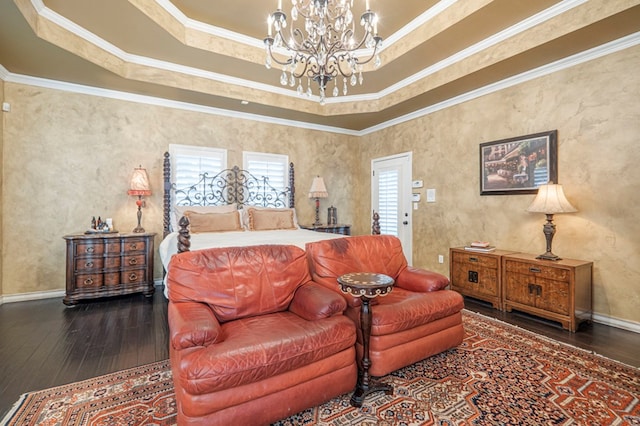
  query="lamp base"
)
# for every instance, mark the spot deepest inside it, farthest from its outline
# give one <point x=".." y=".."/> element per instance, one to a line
<point x="548" y="256"/>
<point x="138" y="229"/>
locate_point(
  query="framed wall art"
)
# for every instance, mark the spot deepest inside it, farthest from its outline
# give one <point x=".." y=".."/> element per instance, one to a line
<point x="519" y="165"/>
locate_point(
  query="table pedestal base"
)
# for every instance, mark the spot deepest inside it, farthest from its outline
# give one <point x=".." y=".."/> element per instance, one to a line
<point x="361" y="391"/>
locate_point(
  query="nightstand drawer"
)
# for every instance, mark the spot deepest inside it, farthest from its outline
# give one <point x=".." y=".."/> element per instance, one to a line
<point x="133" y="276"/>
<point x="541" y="271"/>
<point x="135" y="261"/>
<point x="89" y="263"/>
<point x="475" y="259"/>
<point x="134" y="245"/>
<point x="89" y="280"/>
<point x="89" y="248"/>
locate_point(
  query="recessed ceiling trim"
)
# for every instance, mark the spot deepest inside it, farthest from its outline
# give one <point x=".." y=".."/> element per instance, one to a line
<point x="559" y="65"/>
<point x="187" y="22"/>
<point x="416" y="23"/>
<point x="501" y="36"/>
<point x="90" y="37"/>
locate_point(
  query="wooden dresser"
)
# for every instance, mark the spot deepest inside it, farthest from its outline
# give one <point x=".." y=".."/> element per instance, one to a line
<point x="557" y="290"/>
<point x="477" y="274"/>
<point x="101" y="265"/>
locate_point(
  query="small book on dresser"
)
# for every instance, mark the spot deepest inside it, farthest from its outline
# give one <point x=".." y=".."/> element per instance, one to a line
<point x="486" y="249"/>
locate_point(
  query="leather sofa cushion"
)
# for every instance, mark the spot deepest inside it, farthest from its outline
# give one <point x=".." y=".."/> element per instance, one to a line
<point x="381" y="254"/>
<point x="238" y="282"/>
<point x="256" y="348"/>
<point x="403" y="310"/>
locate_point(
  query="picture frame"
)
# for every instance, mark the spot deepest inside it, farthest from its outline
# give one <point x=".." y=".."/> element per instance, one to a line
<point x="519" y="165"/>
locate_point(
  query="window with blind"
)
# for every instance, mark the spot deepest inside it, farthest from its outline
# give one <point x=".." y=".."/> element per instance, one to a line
<point x="388" y="201"/>
<point x="274" y="167"/>
<point x="189" y="163"/>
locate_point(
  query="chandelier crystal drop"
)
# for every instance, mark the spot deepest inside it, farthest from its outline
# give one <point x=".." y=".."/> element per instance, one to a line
<point x="325" y="47"/>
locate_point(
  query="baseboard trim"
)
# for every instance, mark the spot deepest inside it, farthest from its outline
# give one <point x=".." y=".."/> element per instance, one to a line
<point x="36" y="295"/>
<point x="49" y="294"/>
<point x="617" y="322"/>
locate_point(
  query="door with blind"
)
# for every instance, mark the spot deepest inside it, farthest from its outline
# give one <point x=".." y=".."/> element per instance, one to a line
<point x="391" y="197"/>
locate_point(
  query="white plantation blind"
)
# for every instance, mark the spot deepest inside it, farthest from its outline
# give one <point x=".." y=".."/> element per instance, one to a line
<point x="190" y="162"/>
<point x="273" y="166"/>
<point x="388" y="201"/>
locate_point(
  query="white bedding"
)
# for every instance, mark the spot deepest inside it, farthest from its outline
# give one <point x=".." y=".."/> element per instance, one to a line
<point x="296" y="237"/>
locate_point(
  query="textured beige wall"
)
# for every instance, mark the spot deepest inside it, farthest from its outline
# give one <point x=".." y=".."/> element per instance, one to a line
<point x="596" y="110"/>
<point x="69" y="157"/>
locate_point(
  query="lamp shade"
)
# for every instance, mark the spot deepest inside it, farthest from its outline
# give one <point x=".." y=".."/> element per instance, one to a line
<point x="139" y="184"/>
<point x="318" y="190"/>
<point x="551" y="200"/>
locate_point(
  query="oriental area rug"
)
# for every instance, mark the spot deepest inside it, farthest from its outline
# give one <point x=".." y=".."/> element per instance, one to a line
<point x="500" y="375"/>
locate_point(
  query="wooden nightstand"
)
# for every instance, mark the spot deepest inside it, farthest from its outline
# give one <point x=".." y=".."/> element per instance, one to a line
<point x="477" y="274"/>
<point x="101" y="265"/>
<point x="332" y="229"/>
<point x="556" y="290"/>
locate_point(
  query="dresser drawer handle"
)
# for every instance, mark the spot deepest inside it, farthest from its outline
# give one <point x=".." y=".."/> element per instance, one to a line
<point x="88" y="265"/>
<point x="473" y="259"/>
<point x="88" y="281"/>
<point x="90" y="249"/>
<point x="532" y="269"/>
<point x="133" y="276"/>
<point x="133" y="246"/>
<point x="133" y="261"/>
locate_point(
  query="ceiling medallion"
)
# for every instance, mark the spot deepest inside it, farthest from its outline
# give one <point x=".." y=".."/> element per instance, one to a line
<point x="326" y="48"/>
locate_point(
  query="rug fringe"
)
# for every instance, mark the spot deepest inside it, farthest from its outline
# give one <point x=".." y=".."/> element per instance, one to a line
<point x="14" y="409"/>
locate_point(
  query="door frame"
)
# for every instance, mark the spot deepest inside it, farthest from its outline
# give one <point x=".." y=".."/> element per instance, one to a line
<point x="404" y="191"/>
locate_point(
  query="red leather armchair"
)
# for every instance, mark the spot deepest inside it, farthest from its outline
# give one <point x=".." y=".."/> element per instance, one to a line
<point x="419" y="318"/>
<point x="252" y="338"/>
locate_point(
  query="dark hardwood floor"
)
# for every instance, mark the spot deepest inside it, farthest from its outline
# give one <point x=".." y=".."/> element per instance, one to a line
<point x="45" y="344"/>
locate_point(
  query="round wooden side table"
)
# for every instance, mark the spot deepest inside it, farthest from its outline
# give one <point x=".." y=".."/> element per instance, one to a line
<point x="366" y="286"/>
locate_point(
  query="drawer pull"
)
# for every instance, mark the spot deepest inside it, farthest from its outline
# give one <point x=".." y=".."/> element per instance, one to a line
<point x="535" y="289"/>
<point x="133" y="246"/>
<point x="473" y="259"/>
<point x="535" y="270"/>
<point x="88" y="281"/>
<point x="90" y="249"/>
<point x="88" y="265"/>
<point x="133" y="276"/>
<point x="133" y="261"/>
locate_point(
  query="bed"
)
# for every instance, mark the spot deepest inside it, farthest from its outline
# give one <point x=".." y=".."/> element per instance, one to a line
<point x="232" y="208"/>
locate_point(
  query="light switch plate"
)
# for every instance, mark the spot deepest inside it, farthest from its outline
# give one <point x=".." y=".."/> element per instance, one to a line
<point x="431" y="195"/>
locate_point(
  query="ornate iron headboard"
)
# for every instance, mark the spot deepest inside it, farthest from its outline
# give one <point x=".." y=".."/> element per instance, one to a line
<point x="226" y="187"/>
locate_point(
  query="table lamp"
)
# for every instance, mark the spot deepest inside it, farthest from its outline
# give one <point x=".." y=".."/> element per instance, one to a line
<point x="550" y="200"/>
<point x="139" y="185"/>
<point x="317" y="191"/>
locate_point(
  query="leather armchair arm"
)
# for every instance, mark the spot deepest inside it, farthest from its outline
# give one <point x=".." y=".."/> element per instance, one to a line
<point x="192" y="324"/>
<point x="421" y="280"/>
<point x="312" y="301"/>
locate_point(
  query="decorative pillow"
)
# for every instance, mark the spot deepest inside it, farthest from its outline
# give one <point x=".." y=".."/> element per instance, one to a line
<point x="180" y="210"/>
<point x="214" y="222"/>
<point x="244" y="212"/>
<point x="270" y="219"/>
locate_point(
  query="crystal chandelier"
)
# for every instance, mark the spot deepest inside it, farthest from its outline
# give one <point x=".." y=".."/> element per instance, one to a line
<point x="325" y="48"/>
